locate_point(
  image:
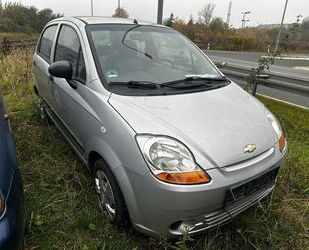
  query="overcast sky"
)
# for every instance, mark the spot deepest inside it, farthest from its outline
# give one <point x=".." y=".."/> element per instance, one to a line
<point x="262" y="11"/>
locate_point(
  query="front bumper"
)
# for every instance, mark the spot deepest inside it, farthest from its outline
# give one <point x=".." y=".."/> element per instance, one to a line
<point x="12" y="220"/>
<point x="169" y="210"/>
<point x="201" y="223"/>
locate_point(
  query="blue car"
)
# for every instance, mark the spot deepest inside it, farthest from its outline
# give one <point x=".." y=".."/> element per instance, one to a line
<point x="11" y="189"/>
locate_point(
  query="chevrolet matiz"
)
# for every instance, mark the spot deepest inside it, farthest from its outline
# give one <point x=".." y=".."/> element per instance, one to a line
<point x="172" y="144"/>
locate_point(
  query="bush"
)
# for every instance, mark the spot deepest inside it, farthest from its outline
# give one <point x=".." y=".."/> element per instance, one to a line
<point x="15" y="17"/>
<point x="219" y="36"/>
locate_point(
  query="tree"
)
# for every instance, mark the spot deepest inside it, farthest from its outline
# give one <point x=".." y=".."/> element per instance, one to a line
<point x="305" y="29"/>
<point x="45" y="16"/>
<point x="305" y="24"/>
<point x="191" y="21"/>
<point x="190" y="29"/>
<point x="217" y="25"/>
<point x="15" y="17"/>
<point x="205" y="15"/>
<point x="121" y="12"/>
<point x="8" y="25"/>
<point x="179" y="24"/>
<point x="169" y="21"/>
<point x="264" y="63"/>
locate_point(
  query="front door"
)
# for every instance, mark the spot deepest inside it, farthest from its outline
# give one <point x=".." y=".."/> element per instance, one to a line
<point x="70" y="103"/>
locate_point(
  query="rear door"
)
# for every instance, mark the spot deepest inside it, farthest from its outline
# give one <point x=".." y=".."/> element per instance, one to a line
<point x="41" y="61"/>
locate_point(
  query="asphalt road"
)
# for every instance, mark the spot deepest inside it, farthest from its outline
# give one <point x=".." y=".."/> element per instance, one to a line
<point x="297" y="68"/>
<point x="281" y="95"/>
<point x="254" y="56"/>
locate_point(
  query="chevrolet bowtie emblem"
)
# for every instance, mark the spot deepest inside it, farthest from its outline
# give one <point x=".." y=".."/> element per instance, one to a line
<point x="249" y="148"/>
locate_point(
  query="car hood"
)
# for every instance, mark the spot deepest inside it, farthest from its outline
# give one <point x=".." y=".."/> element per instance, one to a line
<point x="215" y="124"/>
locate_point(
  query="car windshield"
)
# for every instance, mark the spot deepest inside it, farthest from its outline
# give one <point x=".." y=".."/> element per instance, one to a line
<point x="137" y="53"/>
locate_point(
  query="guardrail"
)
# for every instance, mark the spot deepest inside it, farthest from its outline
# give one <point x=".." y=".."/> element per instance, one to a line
<point x="293" y="84"/>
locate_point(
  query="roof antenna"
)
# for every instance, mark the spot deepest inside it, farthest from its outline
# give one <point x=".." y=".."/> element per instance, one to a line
<point x="135" y="21"/>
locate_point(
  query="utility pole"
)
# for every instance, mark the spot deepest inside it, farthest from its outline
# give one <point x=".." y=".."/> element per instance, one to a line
<point x="118" y="4"/>
<point x="91" y="7"/>
<point x="160" y="12"/>
<point x="281" y="25"/>
<point x="243" y="18"/>
<point x="243" y="28"/>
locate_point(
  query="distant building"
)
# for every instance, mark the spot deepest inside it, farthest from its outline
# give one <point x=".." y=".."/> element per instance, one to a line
<point x="274" y="25"/>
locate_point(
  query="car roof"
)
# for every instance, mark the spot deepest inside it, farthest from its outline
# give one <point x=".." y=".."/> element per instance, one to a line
<point x="104" y="20"/>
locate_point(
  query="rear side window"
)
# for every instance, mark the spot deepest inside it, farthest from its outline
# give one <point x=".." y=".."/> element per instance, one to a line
<point x="68" y="48"/>
<point x="46" y="42"/>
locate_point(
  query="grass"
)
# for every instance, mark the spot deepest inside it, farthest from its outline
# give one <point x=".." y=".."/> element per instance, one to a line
<point x="62" y="212"/>
<point x="15" y="36"/>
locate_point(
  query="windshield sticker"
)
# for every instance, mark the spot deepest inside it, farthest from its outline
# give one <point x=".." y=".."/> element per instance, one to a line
<point x="112" y="73"/>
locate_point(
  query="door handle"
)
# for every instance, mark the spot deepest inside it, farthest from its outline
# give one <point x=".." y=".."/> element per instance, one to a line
<point x="34" y="62"/>
<point x="51" y="78"/>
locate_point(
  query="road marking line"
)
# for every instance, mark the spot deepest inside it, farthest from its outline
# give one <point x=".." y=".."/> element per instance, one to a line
<point x="288" y="58"/>
<point x="279" y="100"/>
<point x="301" y="68"/>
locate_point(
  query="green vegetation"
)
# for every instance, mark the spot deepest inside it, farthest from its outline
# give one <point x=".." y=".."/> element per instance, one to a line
<point x="208" y="30"/>
<point x="61" y="208"/>
<point x="15" y="17"/>
<point x="22" y="23"/>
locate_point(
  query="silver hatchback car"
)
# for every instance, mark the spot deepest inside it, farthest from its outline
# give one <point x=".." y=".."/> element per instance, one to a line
<point x="173" y="145"/>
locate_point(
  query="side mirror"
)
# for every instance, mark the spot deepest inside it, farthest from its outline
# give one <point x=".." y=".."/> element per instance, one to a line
<point x="61" y="69"/>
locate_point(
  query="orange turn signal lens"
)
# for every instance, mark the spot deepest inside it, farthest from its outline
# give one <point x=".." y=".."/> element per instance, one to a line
<point x="282" y="143"/>
<point x="185" y="178"/>
<point x="2" y="204"/>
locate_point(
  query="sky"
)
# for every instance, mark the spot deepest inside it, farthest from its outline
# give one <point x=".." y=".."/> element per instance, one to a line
<point x="262" y="11"/>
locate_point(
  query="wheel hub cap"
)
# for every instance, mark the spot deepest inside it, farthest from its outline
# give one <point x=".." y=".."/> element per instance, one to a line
<point x="105" y="194"/>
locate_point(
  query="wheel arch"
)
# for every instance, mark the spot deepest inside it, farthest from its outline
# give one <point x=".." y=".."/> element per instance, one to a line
<point x="122" y="180"/>
<point x="93" y="156"/>
<point x="35" y="90"/>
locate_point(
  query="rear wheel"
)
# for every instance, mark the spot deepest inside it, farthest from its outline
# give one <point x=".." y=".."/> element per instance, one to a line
<point x="109" y="195"/>
<point x="43" y="113"/>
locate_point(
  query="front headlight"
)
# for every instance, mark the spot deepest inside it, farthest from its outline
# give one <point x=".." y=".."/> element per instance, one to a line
<point x="277" y="128"/>
<point x="170" y="160"/>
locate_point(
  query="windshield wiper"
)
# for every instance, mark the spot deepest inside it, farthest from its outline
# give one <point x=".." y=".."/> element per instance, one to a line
<point x="205" y="80"/>
<point x="143" y="84"/>
<point x="136" y="84"/>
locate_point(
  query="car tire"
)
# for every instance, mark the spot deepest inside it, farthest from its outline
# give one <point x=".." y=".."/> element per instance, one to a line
<point x="44" y="117"/>
<point x="109" y="195"/>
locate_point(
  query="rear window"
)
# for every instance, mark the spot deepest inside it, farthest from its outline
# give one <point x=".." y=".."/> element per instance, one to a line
<point x="46" y="42"/>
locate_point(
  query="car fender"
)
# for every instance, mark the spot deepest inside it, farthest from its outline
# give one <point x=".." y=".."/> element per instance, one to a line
<point x="120" y="172"/>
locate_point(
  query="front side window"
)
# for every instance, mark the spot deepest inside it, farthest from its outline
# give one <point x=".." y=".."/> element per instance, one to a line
<point x="68" y="48"/>
<point x="135" y="53"/>
<point x="46" y="42"/>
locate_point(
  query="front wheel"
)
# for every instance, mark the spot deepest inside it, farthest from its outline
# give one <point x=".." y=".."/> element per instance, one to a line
<point x="109" y="195"/>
